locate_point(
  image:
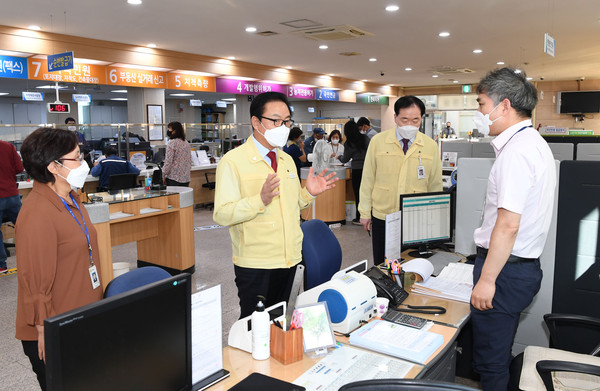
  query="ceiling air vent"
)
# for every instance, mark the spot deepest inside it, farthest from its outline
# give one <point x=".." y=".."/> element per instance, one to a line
<point x="267" y="33"/>
<point x="446" y="70"/>
<point x="334" y="33"/>
<point x="349" y="54"/>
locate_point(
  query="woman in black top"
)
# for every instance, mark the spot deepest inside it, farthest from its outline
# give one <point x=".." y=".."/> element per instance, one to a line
<point x="355" y="148"/>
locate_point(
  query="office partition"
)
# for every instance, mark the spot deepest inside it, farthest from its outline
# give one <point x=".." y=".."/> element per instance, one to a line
<point x="562" y="151"/>
<point x="483" y="149"/>
<point x="588" y="152"/>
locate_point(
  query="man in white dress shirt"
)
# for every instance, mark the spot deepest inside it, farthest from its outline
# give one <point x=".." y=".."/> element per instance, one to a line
<point x="516" y="219"/>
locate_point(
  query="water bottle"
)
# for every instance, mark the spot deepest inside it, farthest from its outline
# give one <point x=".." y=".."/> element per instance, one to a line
<point x="261" y="332"/>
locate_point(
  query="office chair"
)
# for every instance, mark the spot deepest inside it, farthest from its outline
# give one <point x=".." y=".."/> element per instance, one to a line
<point x="546" y="367"/>
<point x="135" y="279"/>
<point x="210" y="185"/>
<point x="403" y="385"/>
<point x="321" y="253"/>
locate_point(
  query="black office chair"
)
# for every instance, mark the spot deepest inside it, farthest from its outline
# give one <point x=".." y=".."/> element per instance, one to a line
<point x="403" y="385"/>
<point x="210" y="185"/>
<point x="546" y="367"/>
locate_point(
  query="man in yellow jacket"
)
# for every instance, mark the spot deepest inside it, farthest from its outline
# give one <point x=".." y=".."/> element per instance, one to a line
<point x="399" y="161"/>
<point x="258" y="195"/>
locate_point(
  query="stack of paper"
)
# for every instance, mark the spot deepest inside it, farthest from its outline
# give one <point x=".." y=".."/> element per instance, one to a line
<point x="455" y="282"/>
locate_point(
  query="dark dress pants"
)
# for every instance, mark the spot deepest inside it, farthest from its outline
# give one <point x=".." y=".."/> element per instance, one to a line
<point x="356" y="179"/>
<point x="30" y="348"/>
<point x="494" y="330"/>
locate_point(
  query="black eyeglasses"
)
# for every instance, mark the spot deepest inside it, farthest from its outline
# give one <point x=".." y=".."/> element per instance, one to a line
<point x="278" y="122"/>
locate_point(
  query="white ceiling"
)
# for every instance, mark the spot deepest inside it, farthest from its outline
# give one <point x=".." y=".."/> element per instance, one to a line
<point x="506" y="30"/>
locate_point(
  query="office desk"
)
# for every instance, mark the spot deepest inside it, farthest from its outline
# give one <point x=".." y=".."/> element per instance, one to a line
<point x="164" y="237"/>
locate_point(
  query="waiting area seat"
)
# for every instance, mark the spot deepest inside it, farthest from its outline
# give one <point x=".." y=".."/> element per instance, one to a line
<point x="210" y="185"/>
<point x="321" y="253"/>
<point x="135" y="279"/>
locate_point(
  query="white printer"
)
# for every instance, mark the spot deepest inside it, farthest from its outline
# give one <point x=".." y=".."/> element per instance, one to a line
<point x="350" y="299"/>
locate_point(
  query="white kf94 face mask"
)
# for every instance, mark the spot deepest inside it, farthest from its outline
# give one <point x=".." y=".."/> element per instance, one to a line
<point x="77" y="176"/>
<point x="407" y="131"/>
<point x="276" y="137"/>
<point x="483" y="121"/>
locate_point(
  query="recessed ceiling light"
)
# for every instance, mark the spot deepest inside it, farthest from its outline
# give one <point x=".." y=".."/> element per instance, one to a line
<point x="51" y="87"/>
<point x="332" y="74"/>
<point x="119" y="91"/>
<point x="250" y="29"/>
<point x="518" y="71"/>
<point x="181" y="94"/>
<point x="34" y="27"/>
<point x="477" y="51"/>
<point x="323" y="47"/>
<point x="408" y="69"/>
<point x="444" y="34"/>
<point x="500" y="63"/>
<point x="455" y="81"/>
<point x="123" y="99"/>
<point x="435" y="76"/>
<point x="372" y="59"/>
<point x="364" y="80"/>
<point x="392" y="8"/>
<point x="151" y="45"/>
<point x="288" y="67"/>
<point x="231" y="58"/>
<point x="3" y="93"/>
<point x="134" y="2"/>
<point x="529" y="78"/>
<point x="229" y="99"/>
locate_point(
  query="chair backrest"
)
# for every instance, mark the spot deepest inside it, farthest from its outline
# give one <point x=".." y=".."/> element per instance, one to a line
<point x="209" y="184"/>
<point x="321" y="253"/>
<point x="563" y="327"/>
<point x="402" y="385"/>
<point x="545" y="369"/>
<point x="135" y="279"/>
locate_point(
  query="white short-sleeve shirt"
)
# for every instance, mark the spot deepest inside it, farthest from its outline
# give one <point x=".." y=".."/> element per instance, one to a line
<point x="523" y="181"/>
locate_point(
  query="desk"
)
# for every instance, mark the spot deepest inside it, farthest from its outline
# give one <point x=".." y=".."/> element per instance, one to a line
<point x="164" y="237"/>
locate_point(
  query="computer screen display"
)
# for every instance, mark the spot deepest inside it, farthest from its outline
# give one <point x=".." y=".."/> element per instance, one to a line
<point x="122" y="181"/>
<point x="425" y="219"/>
<point x="137" y="340"/>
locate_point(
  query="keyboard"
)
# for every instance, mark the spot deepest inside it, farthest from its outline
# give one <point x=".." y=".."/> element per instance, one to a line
<point x="404" y="319"/>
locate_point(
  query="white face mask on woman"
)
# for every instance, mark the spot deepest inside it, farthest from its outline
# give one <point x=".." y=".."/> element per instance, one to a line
<point x="77" y="176"/>
<point x="407" y="131"/>
<point x="276" y="137"/>
<point x="335" y="141"/>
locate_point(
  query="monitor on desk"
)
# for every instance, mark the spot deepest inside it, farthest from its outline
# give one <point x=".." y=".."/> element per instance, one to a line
<point x="118" y="182"/>
<point x="140" y="339"/>
<point x="426" y="221"/>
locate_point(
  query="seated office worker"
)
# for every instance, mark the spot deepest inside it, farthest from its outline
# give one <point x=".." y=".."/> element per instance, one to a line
<point x="112" y="165"/>
<point x="399" y="161"/>
<point x="516" y="219"/>
<point x="259" y="197"/>
<point x="56" y="243"/>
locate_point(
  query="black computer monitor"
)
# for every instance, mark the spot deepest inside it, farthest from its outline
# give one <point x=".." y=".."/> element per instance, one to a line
<point x="426" y="221"/>
<point x="118" y="182"/>
<point x="137" y="340"/>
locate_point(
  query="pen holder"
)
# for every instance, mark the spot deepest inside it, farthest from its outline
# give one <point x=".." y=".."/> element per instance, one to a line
<point x="286" y="346"/>
<point x="399" y="278"/>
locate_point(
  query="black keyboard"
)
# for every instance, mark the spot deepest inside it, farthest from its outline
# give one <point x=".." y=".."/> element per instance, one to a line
<point x="404" y="319"/>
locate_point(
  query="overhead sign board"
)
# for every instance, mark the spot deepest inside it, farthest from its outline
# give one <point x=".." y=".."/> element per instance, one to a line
<point x="331" y="95"/>
<point x="195" y="102"/>
<point x="183" y="81"/>
<point x="33" y="96"/>
<point x="549" y="45"/>
<point x="136" y="77"/>
<point x="372" y="99"/>
<point x="13" y="67"/>
<point x="300" y="92"/>
<point x="60" y="62"/>
<point x="81" y="73"/>
<point x="235" y="86"/>
<point x="466" y="89"/>
<point x="82" y="98"/>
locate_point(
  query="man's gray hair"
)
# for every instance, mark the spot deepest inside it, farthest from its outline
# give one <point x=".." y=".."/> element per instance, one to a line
<point x="505" y="83"/>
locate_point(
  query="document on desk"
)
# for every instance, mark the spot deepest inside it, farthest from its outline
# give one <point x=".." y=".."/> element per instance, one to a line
<point x="346" y="365"/>
<point x="396" y="340"/>
<point x="455" y="282"/>
<point x="393" y="229"/>
<point x="207" y="345"/>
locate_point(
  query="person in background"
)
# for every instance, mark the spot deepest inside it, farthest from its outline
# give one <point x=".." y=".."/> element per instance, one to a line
<point x="10" y="201"/>
<point x="295" y="148"/>
<point x="56" y="243"/>
<point x="516" y="219"/>
<point x="448" y="130"/>
<point x="112" y="165"/>
<point x="401" y="160"/>
<point x="337" y="148"/>
<point x="309" y="143"/>
<point x="260" y="200"/>
<point x="178" y="160"/>
<point x="83" y="147"/>
<point x="364" y="125"/>
<point x="355" y="148"/>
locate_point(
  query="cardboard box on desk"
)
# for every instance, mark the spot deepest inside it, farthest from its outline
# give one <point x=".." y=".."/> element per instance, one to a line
<point x="286" y="346"/>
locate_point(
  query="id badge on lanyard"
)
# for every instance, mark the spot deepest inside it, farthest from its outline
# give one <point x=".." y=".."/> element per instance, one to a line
<point x="420" y="169"/>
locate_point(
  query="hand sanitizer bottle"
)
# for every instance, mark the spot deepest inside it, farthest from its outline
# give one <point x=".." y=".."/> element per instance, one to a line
<point x="261" y="332"/>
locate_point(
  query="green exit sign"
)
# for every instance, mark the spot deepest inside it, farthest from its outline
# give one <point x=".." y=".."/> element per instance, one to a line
<point x="466" y="88"/>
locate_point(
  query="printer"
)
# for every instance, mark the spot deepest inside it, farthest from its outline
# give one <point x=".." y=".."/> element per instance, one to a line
<point x="350" y="300"/>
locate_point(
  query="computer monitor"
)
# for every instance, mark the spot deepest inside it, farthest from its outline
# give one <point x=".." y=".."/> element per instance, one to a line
<point x="137" y="340"/>
<point x="118" y="182"/>
<point x="426" y="221"/>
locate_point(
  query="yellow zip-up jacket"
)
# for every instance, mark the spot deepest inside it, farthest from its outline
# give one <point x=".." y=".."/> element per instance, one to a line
<point x="388" y="173"/>
<point x="262" y="237"/>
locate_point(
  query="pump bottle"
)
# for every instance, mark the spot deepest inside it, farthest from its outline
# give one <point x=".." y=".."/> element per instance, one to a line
<point x="261" y="332"/>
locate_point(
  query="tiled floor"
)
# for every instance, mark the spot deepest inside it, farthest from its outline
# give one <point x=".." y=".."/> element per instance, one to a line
<point x="213" y="266"/>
